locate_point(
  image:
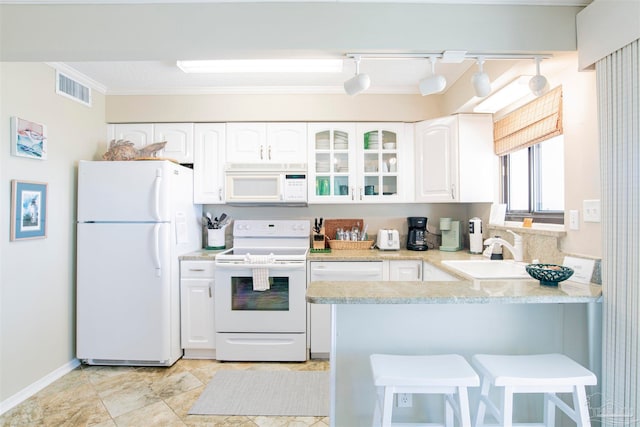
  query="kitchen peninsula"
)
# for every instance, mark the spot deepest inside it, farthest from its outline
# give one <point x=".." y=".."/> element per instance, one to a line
<point x="464" y="317"/>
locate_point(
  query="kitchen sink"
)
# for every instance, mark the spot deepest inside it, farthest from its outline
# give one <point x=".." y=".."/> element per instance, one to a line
<point x="489" y="269"/>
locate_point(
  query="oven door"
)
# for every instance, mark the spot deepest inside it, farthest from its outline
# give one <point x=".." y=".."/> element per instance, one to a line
<point x="240" y="308"/>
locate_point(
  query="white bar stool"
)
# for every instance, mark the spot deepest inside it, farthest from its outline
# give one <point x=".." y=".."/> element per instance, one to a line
<point x="541" y="373"/>
<point x="448" y="374"/>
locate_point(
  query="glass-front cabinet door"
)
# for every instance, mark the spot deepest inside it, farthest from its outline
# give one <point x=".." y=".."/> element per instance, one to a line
<point x="380" y="161"/>
<point x="332" y="163"/>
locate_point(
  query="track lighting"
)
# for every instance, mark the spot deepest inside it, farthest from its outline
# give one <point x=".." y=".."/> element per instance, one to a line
<point x="538" y="83"/>
<point x="435" y="83"/>
<point x="359" y="82"/>
<point x="480" y="80"/>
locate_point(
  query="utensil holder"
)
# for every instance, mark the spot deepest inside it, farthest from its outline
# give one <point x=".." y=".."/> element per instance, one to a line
<point x="215" y="238"/>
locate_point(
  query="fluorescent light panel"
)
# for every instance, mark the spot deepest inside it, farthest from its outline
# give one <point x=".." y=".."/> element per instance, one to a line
<point x="507" y="95"/>
<point x="262" y="66"/>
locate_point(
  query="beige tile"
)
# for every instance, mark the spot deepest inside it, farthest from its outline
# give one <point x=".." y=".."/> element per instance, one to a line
<point x="110" y="396"/>
<point x="218" y="421"/>
<point x="176" y="384"/>
<point x="156" y="414"/>
<point x="127" y="393"/>
<point x="286" y="421"/>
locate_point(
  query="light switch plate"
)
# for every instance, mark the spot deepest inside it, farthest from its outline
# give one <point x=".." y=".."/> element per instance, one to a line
<point x="591" y="209"/>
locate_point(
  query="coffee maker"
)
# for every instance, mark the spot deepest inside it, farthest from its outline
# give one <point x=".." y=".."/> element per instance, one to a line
<point x="417" y="238"/>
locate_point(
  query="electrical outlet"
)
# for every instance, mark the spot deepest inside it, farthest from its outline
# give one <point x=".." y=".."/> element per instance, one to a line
<point x="404" y="400"/>
<point x="574" y="220"/>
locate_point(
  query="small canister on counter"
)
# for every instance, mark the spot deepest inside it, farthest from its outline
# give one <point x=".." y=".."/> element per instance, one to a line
<point x="475" y="235"/>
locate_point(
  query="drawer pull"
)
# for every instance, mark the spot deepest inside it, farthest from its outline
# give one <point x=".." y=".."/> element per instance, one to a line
<point x="197" y="269"/>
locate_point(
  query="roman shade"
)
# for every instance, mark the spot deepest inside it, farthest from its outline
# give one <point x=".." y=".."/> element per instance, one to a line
<point x="530" y="124"/>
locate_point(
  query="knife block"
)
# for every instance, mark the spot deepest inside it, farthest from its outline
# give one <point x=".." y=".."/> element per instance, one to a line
<point x="319" y="239"/>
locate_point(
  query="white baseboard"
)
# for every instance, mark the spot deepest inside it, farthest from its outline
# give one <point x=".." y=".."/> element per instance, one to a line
<point x="32" y="389"/>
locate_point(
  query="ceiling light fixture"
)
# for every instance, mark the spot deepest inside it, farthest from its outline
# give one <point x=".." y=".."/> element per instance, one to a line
<point x="512" y="92"/>
<point x="359" y="82"/>
<point x="538" y="83"/>
<point x="480" y="80"/>
<point x="262" y="66"/>
<point x="434" y="83"/>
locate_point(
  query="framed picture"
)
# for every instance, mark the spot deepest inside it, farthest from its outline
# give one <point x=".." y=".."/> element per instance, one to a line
<point x="28" y="210"/>
<point x="28" y="139"/>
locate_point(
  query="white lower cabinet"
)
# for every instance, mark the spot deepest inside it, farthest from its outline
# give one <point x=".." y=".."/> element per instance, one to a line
<point x="320" y="314"/>
<point x="405" y="270"/>
<point x="431" y="273"/>
<point x="197" y="319"/>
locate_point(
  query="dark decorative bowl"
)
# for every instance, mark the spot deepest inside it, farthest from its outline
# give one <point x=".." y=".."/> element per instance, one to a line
<point x="549" y="274"/>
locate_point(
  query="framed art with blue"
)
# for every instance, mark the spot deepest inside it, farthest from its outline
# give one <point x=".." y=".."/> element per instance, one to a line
<point x="28" y="210"/>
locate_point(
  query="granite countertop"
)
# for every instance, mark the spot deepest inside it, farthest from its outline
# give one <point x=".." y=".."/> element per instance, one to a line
<point x="460" y="292"/>
<point x="464" y="291"/>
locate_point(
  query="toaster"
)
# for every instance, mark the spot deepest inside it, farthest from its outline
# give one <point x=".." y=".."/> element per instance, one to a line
<point x="388" y="240"/>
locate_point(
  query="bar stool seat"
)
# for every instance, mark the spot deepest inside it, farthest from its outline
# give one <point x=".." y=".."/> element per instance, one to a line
<point x="540" y="373"/>
<point x="448" y="374"/>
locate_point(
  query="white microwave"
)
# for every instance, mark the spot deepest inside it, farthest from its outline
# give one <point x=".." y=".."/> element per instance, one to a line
<point x="266" y="184"/>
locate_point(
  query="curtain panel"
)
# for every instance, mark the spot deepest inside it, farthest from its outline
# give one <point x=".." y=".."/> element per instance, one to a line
<point x="618" y="79"/>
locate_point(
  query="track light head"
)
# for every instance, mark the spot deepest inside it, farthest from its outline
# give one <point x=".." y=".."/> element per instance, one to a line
<point x="434" y="83"/>
<point x="480" y="80"/>
<point x="356" y="84"/>
<point x="538" y="83"/>
<point x="359" y="82"/>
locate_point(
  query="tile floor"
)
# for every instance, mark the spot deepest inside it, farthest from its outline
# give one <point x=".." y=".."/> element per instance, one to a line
<point x="102" y="396"/>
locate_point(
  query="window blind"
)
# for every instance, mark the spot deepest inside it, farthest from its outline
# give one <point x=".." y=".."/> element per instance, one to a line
<point x="530" y="124"/>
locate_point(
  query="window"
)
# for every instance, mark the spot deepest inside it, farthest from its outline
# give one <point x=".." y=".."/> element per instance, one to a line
<point x="533" y="182"/>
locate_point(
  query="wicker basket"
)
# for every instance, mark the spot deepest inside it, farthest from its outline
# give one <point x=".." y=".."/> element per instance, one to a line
<point x="350" y="244"/>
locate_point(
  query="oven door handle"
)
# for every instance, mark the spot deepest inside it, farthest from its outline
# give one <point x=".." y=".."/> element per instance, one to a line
<point x="297" y="266"/>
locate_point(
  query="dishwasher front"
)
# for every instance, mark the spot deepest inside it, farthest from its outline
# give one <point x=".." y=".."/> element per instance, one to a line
<point x="320" y="314"/>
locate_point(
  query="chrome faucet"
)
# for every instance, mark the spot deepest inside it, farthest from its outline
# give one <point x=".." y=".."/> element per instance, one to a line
<point x="516" y="250"/>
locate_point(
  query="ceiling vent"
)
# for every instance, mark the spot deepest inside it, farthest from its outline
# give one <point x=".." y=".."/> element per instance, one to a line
<point x="66" y="86"/>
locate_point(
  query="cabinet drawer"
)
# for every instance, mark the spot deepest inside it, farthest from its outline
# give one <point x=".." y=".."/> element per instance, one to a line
<point x="197" y="269"/>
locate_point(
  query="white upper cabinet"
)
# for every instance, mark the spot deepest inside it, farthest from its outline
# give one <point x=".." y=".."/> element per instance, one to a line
<point x="208" y="163"/>
<point x="140" y="134"/>
<point x="179" y="138"/>
<point x="383" y="155"/>
<point x="332" y="163"/>
<point x="365" y="163"/>
<point x="266" y="142"/>
<point x="455" y="161"/>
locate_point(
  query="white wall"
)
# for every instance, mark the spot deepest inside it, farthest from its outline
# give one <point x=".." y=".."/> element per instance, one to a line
<point x="37" y="286"/>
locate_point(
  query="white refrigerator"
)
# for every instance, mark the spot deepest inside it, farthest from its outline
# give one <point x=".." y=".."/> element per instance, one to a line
<point x="135" y="218"/>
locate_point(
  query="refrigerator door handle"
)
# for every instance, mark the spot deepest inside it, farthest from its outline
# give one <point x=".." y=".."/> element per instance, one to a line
<point x="156" y="251"/>
<point x="157" y="186"/>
